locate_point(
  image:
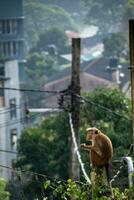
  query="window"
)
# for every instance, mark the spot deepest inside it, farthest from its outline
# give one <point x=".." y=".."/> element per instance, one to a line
<point x="14" y="27"/>
<point x="1" y="94"/>
<point x="12" y="104"/>
<point x="8" y="26"/>
<point x="8" y="49"/>
<point x="15" y="48"/>
<point x="2" y="69"/>
<point x="0" y="27"/>
<point x="13" y="138"/>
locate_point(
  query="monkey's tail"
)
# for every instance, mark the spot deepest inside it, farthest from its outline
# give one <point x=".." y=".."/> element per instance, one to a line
<point x="107" y="168"/>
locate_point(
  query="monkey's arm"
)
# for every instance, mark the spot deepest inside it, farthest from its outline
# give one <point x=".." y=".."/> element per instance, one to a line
<point x="92" y="148"/>
<point x="86" y="147"/>
<point x="98" y="152"/>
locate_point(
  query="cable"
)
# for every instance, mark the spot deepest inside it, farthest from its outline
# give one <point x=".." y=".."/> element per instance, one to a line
<point x="98" y="105"/>
<point x="122" y="165"/>
<point x="8" y="151"/>
<point x="77" y="151"/>
<point x="9" y="109"/>
<point x="30" y="90"/>
<point x="46" y="177"/>
<point x="16" y="121"/>
<point x="22" y="120"/>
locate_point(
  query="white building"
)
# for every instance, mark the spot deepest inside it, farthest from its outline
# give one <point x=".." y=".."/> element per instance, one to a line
<point x="10" y="117"/>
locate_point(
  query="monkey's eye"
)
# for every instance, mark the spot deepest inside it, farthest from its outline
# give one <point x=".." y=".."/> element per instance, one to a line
<point x="96" y="132"/>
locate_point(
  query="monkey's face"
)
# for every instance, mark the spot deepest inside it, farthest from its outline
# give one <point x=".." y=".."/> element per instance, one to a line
<point x="91" y="134"/>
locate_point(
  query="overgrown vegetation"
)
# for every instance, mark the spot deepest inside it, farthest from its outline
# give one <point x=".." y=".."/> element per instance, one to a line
<point x="82" y="192"/>
<point x="4" y="194"/>
<point x="49" y="143"/>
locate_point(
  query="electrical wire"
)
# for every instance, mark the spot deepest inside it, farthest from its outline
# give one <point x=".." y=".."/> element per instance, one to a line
<point x="9" y="109"/>
<point x="31" y="90"/>
<point x="46" y="177"/>
<point x="89" y="101"/>
<point x="8" y="151"/>
<point x="16" y="121"/>
<point x="121" y="165"/>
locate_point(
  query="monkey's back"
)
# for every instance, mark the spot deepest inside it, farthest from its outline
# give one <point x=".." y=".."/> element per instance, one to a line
<point x="103" y="145"/>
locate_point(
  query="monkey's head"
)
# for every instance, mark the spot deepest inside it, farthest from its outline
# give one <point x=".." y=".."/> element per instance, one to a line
<point x="92" y="133"/>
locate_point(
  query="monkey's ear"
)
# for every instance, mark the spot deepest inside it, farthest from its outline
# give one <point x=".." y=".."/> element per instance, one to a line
<point x="96" y="132"/>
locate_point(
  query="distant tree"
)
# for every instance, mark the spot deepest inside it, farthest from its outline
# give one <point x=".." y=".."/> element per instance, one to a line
<point x="105" y="14"/>
<point x="38" y="69"/>
<point x="128" y="13"/>
<point x="55" y="37"/>
<point x="115" y="44"/>
<point x="41" y="17"/>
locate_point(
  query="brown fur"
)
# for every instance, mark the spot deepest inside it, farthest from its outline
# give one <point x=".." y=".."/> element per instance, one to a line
<point x="101" y="149"/>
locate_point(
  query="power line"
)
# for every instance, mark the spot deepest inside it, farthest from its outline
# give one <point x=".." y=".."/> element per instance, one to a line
<point x="99" y="105"/>
<point x="21" y="120"/>
<point x="9" y="109"/>
<point x="8" y="151"/>
<point x="46" y="177"/>
<point x="28" y="117"/>
<point x="122" y="164"/>
<point x="31" y="90"/>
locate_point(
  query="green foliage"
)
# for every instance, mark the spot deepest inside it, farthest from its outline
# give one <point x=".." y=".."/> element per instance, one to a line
<point x="4" y="195"/>
<point x="39" y="67"/>
<point x="53" y="36"/>
<point x="104" y="14"/>
<point x="110" y="111"/>
<point x="41" y="17"/>
<point x="70" y="189"/>
<point x="65" y="190"/>
<point x="42" y="65"/>
<point x="49" y="145"/>
<point x="125" y="195"/>
<point x="115" y="45"/>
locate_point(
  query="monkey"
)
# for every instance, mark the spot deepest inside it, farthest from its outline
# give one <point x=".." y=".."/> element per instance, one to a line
<point x="100" y="147"/>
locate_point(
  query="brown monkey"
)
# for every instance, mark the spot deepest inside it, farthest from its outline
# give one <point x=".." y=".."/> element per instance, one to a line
<point x="100" y="148"/>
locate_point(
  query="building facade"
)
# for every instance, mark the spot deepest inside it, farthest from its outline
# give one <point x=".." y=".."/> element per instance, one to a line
<point x="11" y="74"/>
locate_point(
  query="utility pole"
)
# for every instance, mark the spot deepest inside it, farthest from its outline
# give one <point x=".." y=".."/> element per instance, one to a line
<point x="131" y="44"/>
<point x="75" y="106"/>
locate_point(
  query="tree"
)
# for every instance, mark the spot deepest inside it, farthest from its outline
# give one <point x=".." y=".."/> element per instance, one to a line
<point x="110" y="111"/>
<point x="105" y="14"/>
<point x="55" y="37"/>
<point x="115" y="44"/>
<point x="127" y="14"/>
<point x="41" y="17"/>
<point x="45" y="150"/>
<point x="49" y="144"/>
<point x="39" y="68"/>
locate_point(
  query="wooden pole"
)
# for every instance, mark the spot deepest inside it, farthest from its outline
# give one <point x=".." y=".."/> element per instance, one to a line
<point x="100" y="185"/>
<point x="75" y="106"/>
<point x="131" y="44"/>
